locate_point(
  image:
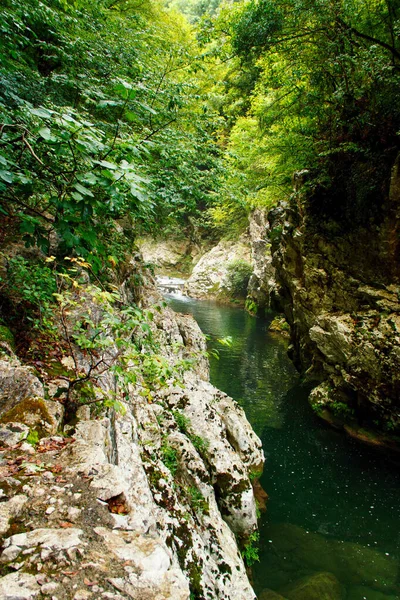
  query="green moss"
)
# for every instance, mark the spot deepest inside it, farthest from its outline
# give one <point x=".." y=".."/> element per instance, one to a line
<point x="26" y="411"/>
<point x="197" y="501"/>
<point x="199" y="443"/>
<point x="33" y="437"/>
<point x="279" y="324"/>
<point x="169" y="458"/>
<point x="194" y="572"/>
<point x="251" y="306"/>
<point x="7" y="337"/>
<point x="250" y="551"/>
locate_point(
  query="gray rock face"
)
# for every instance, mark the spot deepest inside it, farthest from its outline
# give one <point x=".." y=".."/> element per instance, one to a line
<point x="209" y="278"/>
<point x="340" y="294"/>
<point x="17" y="383"/>
<point x="11" y="509"/>
<point x="262" y="286"/>
<point x="170" y="256"/>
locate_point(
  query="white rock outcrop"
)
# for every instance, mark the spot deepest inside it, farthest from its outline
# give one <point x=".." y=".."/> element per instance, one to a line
<point x="146" y="502"/>
<point x="209" y="278"/>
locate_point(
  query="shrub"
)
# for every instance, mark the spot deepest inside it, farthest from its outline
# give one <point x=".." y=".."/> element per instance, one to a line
<point x="238" y="275"/>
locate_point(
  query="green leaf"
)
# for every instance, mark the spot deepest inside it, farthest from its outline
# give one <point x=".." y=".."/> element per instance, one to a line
<point x="104" y="103"/>
<point x="148" y="108"/>
<point x="80" y="188"/>
<point x="46" y="134"/>
<point x="108" y="165"/>
<point x="89" y="178"/>
<point x="76" y="196"/>
<point x="7" y="176"/>
<point x="41" y="112"/>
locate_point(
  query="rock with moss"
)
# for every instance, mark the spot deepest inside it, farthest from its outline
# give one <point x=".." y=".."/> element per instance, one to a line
<point x="40" y="415"/>
<point x="7" y="341"/>
<point x="262" y="286"/>
<point x="170" y="256"/>
<point x="267" y="594"/>
<point x="17" y="383"/>
<point x="146" y="497"/>
<point x="210" y="277"/>
<point x="279" y="325"/>
<point x="338" y="285"/>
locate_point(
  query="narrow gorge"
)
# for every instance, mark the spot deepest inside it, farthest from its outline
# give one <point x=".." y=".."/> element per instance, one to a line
<point x="199" y="300"/>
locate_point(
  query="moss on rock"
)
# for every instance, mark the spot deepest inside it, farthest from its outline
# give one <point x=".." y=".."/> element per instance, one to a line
<point x="6" y="338"/>
<point x="33" y="412"/>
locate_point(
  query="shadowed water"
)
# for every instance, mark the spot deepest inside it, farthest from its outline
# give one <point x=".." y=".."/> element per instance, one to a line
<point x="334" y="504"/>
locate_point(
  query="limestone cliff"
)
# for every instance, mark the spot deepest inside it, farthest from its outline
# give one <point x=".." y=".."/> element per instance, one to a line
<point x="262" y="288"/>
<point x="338" y="283"/>
<point x="210" y="276"/>
<point x="145" y="499"/>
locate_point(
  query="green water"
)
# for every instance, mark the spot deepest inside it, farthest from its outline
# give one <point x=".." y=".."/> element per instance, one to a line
<point x="333" y="504"/>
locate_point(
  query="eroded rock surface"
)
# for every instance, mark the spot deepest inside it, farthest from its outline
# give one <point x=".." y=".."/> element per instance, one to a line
<point x="339" y="289"/>
<point x="209" y="278"/>
<point x="262" y="285"/>
<point x="143" y="502"/>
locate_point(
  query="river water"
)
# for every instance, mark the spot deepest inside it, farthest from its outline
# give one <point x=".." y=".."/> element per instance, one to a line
<point x="334" y="505"/>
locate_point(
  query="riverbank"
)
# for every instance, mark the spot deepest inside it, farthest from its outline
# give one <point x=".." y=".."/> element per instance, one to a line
<point x="332" y="502"/>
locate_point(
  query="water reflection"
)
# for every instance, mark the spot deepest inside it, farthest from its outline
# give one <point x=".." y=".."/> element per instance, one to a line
<point x="333" y="503"/>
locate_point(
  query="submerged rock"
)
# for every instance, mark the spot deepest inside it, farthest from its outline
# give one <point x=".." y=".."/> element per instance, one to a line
<point x="321" y="586"/>
<point x="361" y="592"/>
<point x="270" y="595"/>
<point x="346" y="561"/>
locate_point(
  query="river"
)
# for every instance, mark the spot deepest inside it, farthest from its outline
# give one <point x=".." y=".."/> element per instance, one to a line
<point x="333" y="504"/>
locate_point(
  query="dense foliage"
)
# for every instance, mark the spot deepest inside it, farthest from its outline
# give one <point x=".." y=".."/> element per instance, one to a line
<point x="103" y="130"/>
<point x="119" y="117"/>
<point x="311" y="85"/>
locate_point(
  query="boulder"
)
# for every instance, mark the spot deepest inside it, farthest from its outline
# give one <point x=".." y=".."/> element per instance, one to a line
<point x="11" y="509"/>
<point x="43" y="416"/>
<point x="17" y="383"/>
<point x="209" y="278"/>
<point x="12" y="434"/>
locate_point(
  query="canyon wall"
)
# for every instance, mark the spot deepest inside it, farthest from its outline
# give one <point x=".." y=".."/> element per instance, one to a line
<point x="337" y="282"/>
